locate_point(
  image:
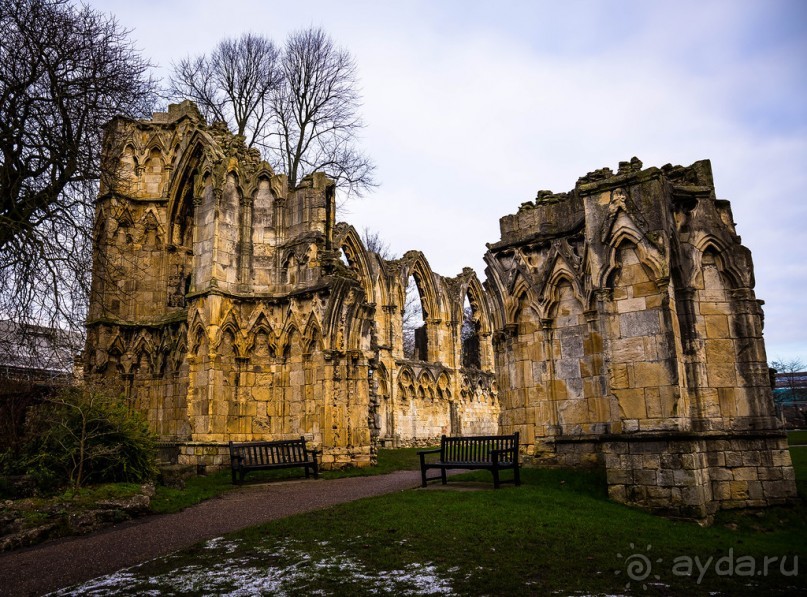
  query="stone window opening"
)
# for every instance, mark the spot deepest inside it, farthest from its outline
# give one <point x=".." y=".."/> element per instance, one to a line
<point x="184" y="222"/>
<point x="469" y="336"/>
<point x="289" y="270"/>
<point x="415" y="338"/>
<point x="345" y="260"/>
<point x="300" y="210"/>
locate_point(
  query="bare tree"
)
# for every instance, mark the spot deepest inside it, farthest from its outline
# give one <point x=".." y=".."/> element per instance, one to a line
<point x="65" y="71"/>
<point x="794" y="379"/>
<point x="316" y="111"/>
<point x="299" y="105"/>
<point x="234" y="84"/>
<point x="374" y="243"/>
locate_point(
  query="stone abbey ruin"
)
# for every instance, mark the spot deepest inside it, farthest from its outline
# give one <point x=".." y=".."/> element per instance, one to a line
<point x="617" y="323"/>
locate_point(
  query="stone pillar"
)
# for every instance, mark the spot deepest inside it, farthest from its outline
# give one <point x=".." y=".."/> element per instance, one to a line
<point x="245" y="245"/>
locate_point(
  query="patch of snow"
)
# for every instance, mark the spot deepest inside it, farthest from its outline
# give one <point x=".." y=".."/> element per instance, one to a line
<point x="246" y="576"/>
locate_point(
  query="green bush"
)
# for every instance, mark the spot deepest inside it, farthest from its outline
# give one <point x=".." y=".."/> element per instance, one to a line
<point x="88" y="434"/>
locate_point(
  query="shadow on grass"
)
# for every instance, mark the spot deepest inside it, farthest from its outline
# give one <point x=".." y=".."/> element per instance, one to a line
<point x="558" y="532"/>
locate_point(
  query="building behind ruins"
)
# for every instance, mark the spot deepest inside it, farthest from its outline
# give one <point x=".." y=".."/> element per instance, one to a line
<point x="618" y="323"/>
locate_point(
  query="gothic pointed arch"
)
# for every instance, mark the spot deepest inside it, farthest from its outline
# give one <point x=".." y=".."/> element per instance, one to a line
<point x="519" y="296"/>
<point x="356" y="254"/>
<point x="143" y="351"/>
<point x="188" y="179"/>
<point x="710" y="245"/>
<point x="291" y="340"/>
<point x="561" y="273"/>
<point x="416" y="265"/>
<point x="406" y="382"/>
<point x="116" y="346"/>
<point x="156" y="141"/>
<point x="142" y="342"/>
<point x="649" y="256"/>
<point x="231" y="325"/>
<point x="426" y="377"/>
<point x="312" y="335"/>
<point x="197" y="330"/>
<point x="443" y="386"/>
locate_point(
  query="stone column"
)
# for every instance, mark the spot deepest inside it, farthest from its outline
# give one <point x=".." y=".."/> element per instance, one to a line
<point x="245" y="245"/>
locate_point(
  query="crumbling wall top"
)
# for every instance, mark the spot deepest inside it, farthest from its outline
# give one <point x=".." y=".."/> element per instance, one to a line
<point x="552" y="214"/>
<point x="177" y="111"/>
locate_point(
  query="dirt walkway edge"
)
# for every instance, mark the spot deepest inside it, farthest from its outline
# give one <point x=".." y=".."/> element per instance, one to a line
<point x="65" y="562"/>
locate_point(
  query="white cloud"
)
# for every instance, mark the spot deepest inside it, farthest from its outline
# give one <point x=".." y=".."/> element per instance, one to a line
<point x="471" y="109"/>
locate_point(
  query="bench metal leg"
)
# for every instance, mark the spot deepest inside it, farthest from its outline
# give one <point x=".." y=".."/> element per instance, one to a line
<point x="495" y="472"/>
<point x="443" y="476"/>
<point x="422" y="470"/>
<point x="517" y="475"/>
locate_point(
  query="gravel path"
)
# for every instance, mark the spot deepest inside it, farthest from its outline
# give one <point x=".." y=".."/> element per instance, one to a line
<point x="65" y="562"/>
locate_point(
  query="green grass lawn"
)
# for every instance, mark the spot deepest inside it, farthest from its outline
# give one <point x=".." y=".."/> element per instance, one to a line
<point x="797" y="438"/>
<point x="557" y="533"/>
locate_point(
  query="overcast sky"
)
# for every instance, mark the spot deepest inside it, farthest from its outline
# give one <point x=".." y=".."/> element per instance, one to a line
<point x="471" y="108"/>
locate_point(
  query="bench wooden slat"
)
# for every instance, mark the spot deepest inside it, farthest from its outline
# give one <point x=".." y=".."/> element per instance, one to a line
<point x="492" y="452"/>
<point x="248" y="456"/>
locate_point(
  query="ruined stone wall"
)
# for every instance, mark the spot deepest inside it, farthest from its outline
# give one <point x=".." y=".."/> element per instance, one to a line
<point x="219" y="304"/>
<point x="420" y="399"/>
<point x="618" y="323"/>
<point x="230" y="307"/>
<point x="628" y="331"/>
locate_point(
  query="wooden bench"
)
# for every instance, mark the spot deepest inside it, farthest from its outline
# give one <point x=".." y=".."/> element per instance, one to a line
<point x="483" y="452"/>
<point x="254" y="456"/>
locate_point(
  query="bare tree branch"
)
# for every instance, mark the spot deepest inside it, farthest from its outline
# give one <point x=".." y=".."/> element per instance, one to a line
<point x="317" y="110"/>
<point x="375" y="243"/>
<point x="65" y="71"/>
<point x="299" y="106"/>
<point x="233" y="84"/>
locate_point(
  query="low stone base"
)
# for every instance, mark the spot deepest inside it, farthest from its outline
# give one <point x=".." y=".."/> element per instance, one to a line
<point x="693" y="475"/>
<point x="213" y="456"/>
<point x="576" y="451"/>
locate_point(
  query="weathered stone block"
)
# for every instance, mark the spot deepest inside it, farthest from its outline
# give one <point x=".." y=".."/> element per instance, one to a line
<point x="755" y="490"/>
<point x="683" y="478"/>
<point x="734" y="459"/>
<point x="717" y="326"/>
<point x="739" y="490"/>
<point x="781" y="458"/>
<point x="632" y="404"/>
<point x="721" y="490"/>
<point x="633" y="306"/>
<point x="645" y="477"/>
<point x="721" y="474"/>
<point x="638" y="322"/>
<point x="722" y="375"/>
<point x="650" y="375"/>
<point x="627" y="350"/>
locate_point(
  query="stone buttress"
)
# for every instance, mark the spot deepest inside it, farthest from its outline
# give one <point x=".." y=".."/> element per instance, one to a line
<point x="629" y="332"/>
